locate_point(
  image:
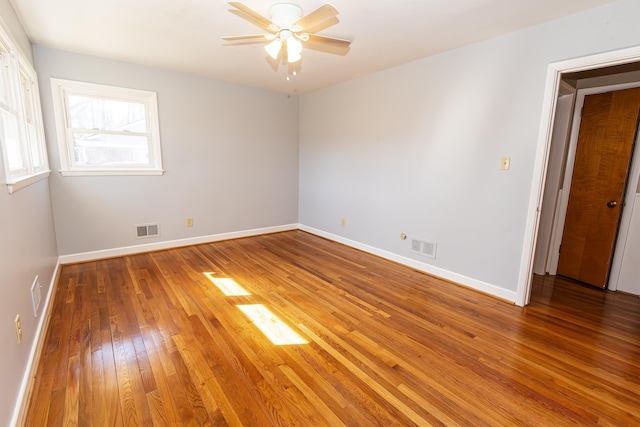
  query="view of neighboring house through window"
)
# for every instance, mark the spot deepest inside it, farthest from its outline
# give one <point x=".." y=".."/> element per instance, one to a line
<point x="21" y="133"/>
<point x="106" y="130"/>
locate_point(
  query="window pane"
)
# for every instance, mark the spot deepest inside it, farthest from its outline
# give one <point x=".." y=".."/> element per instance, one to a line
<point x="28" y="98"/>
<point x="106" y="114"/>
<point x="103" y="149"/>
<point x="4" y="88"/>
<point x="12" y="141"/>
<point x="5" y="82"/>
<point x="35" y="148"/>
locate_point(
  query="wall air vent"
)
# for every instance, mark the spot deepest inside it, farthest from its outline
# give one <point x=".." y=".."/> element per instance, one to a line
<point x="423" y="247"/>
<point x="36" y="295"/>
<point x="144" y="231"/>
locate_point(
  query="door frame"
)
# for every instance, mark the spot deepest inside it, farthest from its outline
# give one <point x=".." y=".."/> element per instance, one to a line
<point x="563" y="202"/>
<point x="554" y="77"/>
<point x="543" y="258"/>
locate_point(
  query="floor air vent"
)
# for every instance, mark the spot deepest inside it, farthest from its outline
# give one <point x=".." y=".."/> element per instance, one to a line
<point x="423" y="247"/>
<point x="147" y="230"/>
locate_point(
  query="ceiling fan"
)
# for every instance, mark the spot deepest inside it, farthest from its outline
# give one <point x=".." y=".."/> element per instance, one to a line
<point x="288" y="30"/>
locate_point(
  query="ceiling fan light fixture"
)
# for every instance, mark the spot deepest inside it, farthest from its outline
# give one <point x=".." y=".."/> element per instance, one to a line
<point x="294" y="50"/>
<point x="273" y="48"/>
<point x="288" y="29"/>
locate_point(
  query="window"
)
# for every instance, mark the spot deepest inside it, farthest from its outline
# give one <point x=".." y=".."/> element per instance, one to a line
<point x="22" y="144"/>
<point x="106" y="130"/>
<point x="34" y="134"/>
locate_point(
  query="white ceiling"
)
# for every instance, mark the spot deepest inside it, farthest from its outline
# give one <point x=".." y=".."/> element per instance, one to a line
<point x="185" y="35"/>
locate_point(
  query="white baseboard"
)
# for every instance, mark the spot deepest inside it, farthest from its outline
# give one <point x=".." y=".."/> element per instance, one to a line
<point x="421" y="266"/>
<point x="36" y="350"/>
<point x="460" y="279"/>
<point x="169" y="244"/>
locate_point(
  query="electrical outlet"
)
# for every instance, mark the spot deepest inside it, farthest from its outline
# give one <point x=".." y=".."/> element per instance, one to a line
<point x="189" y="222"/>
<point x="18" y="329"/>
<point x="343" y="222"/>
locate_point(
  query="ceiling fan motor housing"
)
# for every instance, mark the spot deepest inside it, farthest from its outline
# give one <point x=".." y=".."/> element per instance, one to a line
<point x="284" y="15"/>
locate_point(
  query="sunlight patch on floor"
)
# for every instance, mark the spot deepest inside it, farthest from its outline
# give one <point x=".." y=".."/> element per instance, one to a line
<point x="271" y="326"/>
<point x="227" y="285"/>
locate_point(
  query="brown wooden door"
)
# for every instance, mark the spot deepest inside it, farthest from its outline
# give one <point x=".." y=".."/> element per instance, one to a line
<point x="603" y="156"/>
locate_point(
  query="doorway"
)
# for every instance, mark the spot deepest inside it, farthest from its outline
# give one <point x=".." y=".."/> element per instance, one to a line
<point x="605" y="65"/>
<point x="597" y="167"/>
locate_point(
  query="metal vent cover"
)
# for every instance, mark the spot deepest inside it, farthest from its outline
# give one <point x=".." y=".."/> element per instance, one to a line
<point x="424" y="247"/>
<point x="144" y="231"/>
<point x="36" y="296"/>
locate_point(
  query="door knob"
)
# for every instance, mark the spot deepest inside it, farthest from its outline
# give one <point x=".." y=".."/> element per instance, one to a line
<point x="612" y="204"/>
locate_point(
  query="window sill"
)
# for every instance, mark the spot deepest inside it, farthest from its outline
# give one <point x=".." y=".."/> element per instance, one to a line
<point x="123" y="172"/>
<point x="13" y="186"/>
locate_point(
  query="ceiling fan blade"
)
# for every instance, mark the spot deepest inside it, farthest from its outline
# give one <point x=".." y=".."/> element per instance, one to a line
<point x="328" y="44"/>
<point x="321" y="14"/>
<point x="247" y="37"/>
<point x="245" y="12"/>
<point x="322" y="25"/>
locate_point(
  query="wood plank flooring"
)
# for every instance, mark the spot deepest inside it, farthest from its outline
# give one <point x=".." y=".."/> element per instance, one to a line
<point x="150" y="340"/>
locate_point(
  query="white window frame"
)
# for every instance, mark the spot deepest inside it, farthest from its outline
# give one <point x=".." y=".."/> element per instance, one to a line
<point x="21" y="85"/>
<point x="61" y="89"/>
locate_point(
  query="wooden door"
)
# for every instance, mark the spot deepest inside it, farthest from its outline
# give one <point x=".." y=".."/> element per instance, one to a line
<point x="603" y="156"/>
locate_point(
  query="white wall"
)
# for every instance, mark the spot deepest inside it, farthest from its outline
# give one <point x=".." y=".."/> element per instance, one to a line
<point x="416" y="149"/>
<point x="27" y="249"/>
<point x="15" y="27"/>
<point x="230" y="153"/>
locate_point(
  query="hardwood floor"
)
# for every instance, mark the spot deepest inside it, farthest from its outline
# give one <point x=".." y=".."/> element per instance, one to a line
<point x="149" y="339"/>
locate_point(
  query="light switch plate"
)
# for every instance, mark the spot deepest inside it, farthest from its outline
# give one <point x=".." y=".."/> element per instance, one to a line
<point x="505" y="163"/>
